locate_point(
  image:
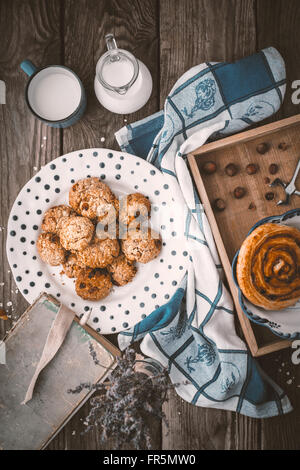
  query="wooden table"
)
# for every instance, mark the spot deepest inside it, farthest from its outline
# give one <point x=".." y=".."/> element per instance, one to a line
<point x="170" y="36"/>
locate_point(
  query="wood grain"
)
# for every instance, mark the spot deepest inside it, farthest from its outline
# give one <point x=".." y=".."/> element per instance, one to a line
<point x="283" y="432"/>
<point x="192" y="428"/>
<point x="277" y="26"/>
<point x="231" y="226"/>
<point x="216" y="230"/>
<point x="32" y="30"/>
<point x="196" y="31"/>
<point x="191" y="33"/>
<point x="242" y="152"/>
<point x="170" y="36"/>
<point x="135" y="29"/>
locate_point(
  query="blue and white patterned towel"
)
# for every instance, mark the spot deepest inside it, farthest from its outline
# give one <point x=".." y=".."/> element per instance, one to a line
<point x="193" y="335"/>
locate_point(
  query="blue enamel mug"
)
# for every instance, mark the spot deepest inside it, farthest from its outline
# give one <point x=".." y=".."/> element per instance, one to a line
<point x="54" y="94"/>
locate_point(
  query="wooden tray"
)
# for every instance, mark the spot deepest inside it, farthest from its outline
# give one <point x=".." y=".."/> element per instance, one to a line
<point x="231" y="226"/>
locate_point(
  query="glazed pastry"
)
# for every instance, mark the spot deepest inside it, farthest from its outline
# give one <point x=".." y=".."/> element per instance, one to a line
<point x="122" y="270"/>
<point x="50" y="249"/>
<point x="268" y="266"/>
<point x="75" y="232"/>
<point x="53" y="216"/>
<point x="100" y="253"/>
<point x="142" y="245"/>
<point x="72" y="267"/>
<point x="134" y="207"/>
<point x="92" y="198"/>
<point x="93" y="284"/>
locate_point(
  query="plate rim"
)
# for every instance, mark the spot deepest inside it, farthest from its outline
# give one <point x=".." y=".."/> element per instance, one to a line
<point x="42" y="169"/>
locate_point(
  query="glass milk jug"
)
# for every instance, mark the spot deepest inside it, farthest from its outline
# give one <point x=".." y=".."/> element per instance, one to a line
<point x="123" y="84"/>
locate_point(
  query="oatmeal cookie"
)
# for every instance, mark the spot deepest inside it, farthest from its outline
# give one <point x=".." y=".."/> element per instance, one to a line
<point x="75" y="232"/>
<point x="72" y="267"/>
<point x="92" y="198"/>
<point x="53" y="216"/>
<point x="142" y="245"/>
<point x="122" y="270"/>
<point x="134" y="207"/>
<point x="93" y="284"/>
<point x="100" y="253"/>
<point x="50" y="249"/>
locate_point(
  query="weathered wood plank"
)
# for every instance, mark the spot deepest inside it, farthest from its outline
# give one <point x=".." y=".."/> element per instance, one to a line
<point x="29" y="30"/>
<point x="196" y="31"/>
<point x="135" y="28"/>
<point x="193" y="32"/>
<point x="192" y="428"/>
<point x="277" y="26"/>
<point x="283" y="432"/>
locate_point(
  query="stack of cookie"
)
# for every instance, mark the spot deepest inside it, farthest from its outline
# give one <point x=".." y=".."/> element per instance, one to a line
<point x="98" y="239"/>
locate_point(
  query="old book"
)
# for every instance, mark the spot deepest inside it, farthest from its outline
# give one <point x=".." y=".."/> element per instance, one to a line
<point x="33" y="425"/>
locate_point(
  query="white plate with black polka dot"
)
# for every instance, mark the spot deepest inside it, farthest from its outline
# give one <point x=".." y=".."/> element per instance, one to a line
<point x="155" y="282"/>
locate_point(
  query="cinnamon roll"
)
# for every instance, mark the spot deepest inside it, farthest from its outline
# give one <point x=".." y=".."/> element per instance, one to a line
<point x="268" y="266"/>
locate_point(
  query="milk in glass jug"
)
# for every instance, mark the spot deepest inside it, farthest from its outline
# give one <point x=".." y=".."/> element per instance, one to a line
<point x="123" y="84"/>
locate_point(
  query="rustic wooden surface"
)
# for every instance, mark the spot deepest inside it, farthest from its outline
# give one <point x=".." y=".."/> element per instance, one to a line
<point x="232" y="220"/>
<point x="231" y="226"/>
<point x="170" y="36"/>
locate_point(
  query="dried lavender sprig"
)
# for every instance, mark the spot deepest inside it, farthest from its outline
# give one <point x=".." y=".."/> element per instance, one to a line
<point x="80" y="387"/>
<point x="122" y="411"/>
<point x="94" y="356"/>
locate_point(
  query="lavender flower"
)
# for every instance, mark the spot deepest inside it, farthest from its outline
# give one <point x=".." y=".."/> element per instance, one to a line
<point x="123" y="407"/>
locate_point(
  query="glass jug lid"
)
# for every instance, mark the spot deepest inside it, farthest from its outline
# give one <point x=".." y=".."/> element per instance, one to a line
<point x="117" y="69"/>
